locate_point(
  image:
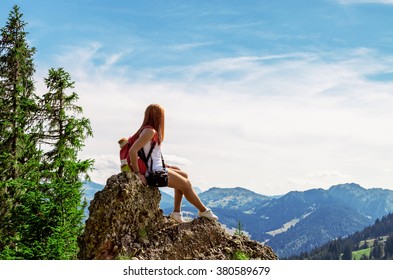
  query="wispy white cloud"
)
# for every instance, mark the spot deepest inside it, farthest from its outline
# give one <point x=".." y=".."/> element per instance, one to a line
<point x="177" y="160"/>
<point x="188" y="46"/>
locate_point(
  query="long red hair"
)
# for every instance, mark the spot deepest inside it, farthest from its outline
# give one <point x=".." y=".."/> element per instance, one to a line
<point x="154" y="117"/>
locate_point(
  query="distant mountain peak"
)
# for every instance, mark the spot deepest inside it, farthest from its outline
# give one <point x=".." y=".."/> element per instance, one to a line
<point x="348" y="186"/>
<point x="232" y="190"/>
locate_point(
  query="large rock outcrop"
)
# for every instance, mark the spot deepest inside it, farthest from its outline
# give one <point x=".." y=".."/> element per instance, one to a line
<point x="126" y="221"/>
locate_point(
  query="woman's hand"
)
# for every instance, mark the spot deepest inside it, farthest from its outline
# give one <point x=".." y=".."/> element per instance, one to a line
<point x="172" y="167"/>
<point x="142" y="178"/>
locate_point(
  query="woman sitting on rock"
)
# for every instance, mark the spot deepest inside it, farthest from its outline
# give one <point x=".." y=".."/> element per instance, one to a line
<point x="151" y="136"/>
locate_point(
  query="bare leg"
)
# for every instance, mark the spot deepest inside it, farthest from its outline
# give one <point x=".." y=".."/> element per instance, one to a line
<point x="182" y="184"/>
<point x="178" y="194"/>
<point x="177" y="201"/>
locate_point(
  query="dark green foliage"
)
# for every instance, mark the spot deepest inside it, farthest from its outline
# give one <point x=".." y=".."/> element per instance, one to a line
<point x="239" y="229"/>
<point x="18" y="101"/>
<point x="377" y="252"/>
<point x="347" y="254"/>
<point x="389" y="247"/>
<point x="239" y="255"/>
<point x="41" y="207"/>
<point x="18" y="133"/>
<point x="63" y="170"/>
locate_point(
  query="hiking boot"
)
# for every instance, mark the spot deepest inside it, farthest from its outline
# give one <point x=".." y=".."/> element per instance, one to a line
<point x="208" y="214"/>
<point x="176" y="216"/>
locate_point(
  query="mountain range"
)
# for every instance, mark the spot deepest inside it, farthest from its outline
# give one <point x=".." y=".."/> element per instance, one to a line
<point x="293" y="223"/>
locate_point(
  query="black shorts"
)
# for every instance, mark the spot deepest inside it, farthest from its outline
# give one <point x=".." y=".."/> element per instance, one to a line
<point x="157" y="179"/>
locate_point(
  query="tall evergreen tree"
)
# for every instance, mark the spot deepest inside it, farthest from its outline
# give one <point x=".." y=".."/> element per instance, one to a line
<point x="347" y="254"/>
<point x="19" y="156"/>
<point x="389" y="247"/>
<point x="65" y="134"/>
<point x="17" y="99"/>
<point x="376" y="253"/>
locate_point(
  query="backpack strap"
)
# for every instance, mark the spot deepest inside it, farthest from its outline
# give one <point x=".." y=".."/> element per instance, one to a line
<point x="163" y="163"/>
<point x="144" y="158"/>
<point x="141" y="152"/>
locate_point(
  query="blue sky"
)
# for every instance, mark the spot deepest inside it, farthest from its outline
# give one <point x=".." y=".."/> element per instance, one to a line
<point x="270" y="95"/>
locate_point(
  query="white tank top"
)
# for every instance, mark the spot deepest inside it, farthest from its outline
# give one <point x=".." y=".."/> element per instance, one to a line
<point x="155" y="157"/>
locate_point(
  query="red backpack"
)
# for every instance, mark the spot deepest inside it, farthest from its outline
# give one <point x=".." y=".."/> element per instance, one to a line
<point x="125" y="145"/>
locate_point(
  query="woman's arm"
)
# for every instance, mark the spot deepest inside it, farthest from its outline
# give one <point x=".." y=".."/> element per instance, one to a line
<point x="146" y="135"/>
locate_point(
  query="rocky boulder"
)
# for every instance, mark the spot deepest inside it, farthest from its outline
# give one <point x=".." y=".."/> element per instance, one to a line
<point x="125" y="221"/>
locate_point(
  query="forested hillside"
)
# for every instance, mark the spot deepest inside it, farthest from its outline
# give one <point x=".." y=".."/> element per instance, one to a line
<point x="374" y="242"/>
